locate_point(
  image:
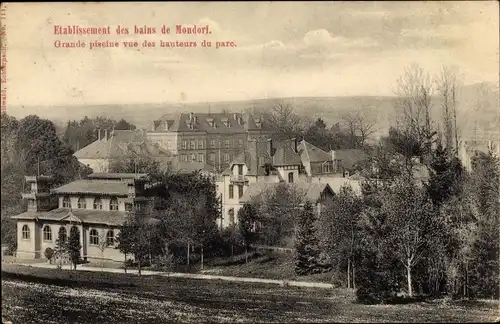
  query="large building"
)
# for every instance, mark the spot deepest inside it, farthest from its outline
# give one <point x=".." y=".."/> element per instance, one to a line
<point x="315" y="173"/>
<point x="213" y="139"/>
<point x="95" y="206"/>
<point x="120" y="144"/>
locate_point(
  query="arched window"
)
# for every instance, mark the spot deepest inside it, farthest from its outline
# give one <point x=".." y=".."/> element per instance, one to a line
<point x="231" y="217"/>
<point x="26" y="232"/>
<point x="82" y="203"/>
<point x="47" y="234"/>
<point x="290" y="177"/>
<point x="113" y="204"/>
<point x="110" y="238"/>
<point x="66" y="202"/>
<point x="62" y="234"/>
<point x="97" y="203"/>
<point x="94" y="237"/>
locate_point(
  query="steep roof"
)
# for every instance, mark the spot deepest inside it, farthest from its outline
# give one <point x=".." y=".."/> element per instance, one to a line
<point x="313" y="153"/>
<point x="349" y="158"/>
<point x="121" y="142"/>
<point x="91" y="216"/>
<point x="87" y="186"/>
<point x="117" y="176"/>
<point x="285" y="154"/>
<point x="255" y="157"/>
<point x="309" y="191"/>
<point x="202" y="122"/>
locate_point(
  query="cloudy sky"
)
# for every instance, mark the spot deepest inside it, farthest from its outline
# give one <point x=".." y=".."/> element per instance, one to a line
<point x="283" y="50"/>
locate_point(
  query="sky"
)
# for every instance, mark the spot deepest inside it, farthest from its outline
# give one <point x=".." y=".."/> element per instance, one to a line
<point x="284" y="49"/>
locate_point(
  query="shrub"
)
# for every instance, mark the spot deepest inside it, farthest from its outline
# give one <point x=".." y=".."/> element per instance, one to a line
<point x="49" y="254"/>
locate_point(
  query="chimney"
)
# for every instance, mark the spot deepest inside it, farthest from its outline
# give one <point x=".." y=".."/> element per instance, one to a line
<point x="270" y="146"/>
<point x="166" y="125"/>
<point x="235" y="116"/>
<point x="191" y="115"/>
<point x="105" y="134"/>
<point x="153" y="126"/>
<point x="239" y="120"/>
<point x="196" y="119"/>
<point x="294" y="144"/>
<point x="99" y="134"/>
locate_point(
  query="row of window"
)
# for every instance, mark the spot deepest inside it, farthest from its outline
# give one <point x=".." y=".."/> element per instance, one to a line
<point x="231" y="191"/>
<point x="201" y="157"/>
<point x="47" y="235"/>
<point x="191" y="144"/>
<point x="82" y="203"/>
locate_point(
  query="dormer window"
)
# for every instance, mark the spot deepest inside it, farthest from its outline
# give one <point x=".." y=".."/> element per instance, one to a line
<point x="166" y="125"/>
<point x="66" y="202"/>
<point x="225" y="121"/>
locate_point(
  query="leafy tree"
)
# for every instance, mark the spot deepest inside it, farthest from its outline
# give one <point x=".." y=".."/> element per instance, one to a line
<point x="74" y="246"/>
<point x="247" y="216"/>
<point x="134" y="237"/>
<point x="125" y="241"/>
<point x="306" y="243"/>
<point x="49" y="254"/>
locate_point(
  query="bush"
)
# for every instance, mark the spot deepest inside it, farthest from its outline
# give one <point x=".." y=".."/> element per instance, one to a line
<point x="49" y="254"/>
<point x="164" y="262"/>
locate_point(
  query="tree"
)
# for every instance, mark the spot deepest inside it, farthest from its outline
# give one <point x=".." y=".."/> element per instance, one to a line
<point x="125" y="241"/>
<point x="247" y="216"/>
<point x="340" y="233"/>
<point x="61" y="245"/>
<point x="447" y="88"/>
<point x="74" y="246"/>
<point x="413" y="105"/>
<point x="411" y="214"/>
<point x="359" y="122"/>
<point x="306" y="243"/>
<point x="49" y="254"/>
<point x="103" y="244"/>
<point x="285" y="121"/>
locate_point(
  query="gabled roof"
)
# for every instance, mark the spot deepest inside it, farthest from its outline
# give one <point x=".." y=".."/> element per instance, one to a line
<point x="121" y="142"/>
<point x="285" y="154"/>
<point x="255" y="157"/>
<point x="87" y="186"/>
<point x="91" y="216"/>
<point x="202" y="122"/>
<point x="312" y="153"/>
<point x="349" y="158"/>
<point x="309" y="191"/>
<point x="117" y="176"/>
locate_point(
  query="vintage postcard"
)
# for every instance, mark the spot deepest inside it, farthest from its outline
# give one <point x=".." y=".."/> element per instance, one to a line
<point x="250" y="162"/>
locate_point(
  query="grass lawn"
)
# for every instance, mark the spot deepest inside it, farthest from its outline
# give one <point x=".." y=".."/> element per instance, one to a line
<point x="40" y="295"/>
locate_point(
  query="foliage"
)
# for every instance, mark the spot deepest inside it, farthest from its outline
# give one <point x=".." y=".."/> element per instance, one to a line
<point x="74" y="246"/>
<point x="247" y="217"/>
<point x="306" y="242"/>
<point x="49" y="254"/>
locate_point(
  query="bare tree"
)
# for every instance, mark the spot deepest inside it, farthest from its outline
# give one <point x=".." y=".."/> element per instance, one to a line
<point x="447" y="88"/>
<point x="359" y="123"/>
<point x="284" y="120"/>
<point x="103" y="244"/>
<point x="413" y="105"/>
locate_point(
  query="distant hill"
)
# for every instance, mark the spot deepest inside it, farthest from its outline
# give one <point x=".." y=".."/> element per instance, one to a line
<point x="484" y="97"/>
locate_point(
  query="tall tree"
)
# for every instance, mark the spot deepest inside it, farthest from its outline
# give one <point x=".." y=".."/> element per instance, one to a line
<point x="306" y="243"/>
<point x="285" y="121"/>
<point x="247" y="217"/>
<point x="74" y="246"/>
<point x="447" y="88"/>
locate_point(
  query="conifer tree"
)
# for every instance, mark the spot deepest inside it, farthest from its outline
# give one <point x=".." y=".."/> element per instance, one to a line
<point x="306" y="242"/>
<point x="74" y="246"/>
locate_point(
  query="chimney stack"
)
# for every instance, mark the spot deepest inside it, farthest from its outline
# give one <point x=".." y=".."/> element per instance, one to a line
<point x="99" y="134"/>
<point x="191" y="115"/>
<point x="270" y="146"/>
<point x="166" y="125"/>
<point x="294" y="144"/>
<point x="235" y="116"/>
<point x="105" y="134"/>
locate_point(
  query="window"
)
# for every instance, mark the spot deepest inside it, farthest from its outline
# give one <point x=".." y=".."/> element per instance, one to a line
<point x="211" y="157"/>
<point x="97" y="203"/>
<point x="226" y="143"/>
<point x="184" y="145"/>
<point x="261" y="160"/>
<point x="200" y="157"/>
<point x="113" y="204"/>
<point x="169" y="145"/>
<point x="290" y="177"/>
<point x="326" y="168"/>
<point x="66" y="202"/>
<point x="47" y="234"/>
<point x="94" y="237"/>
<point x="110" y="238"/>
<point x="226" y="157"/>
<point x="231" y="217"/>
<point x="184" y="158"/>
<point x="240" y="169"/>
<point x="240" y="142"/>
<point x="82" y="204"/>
<point x="193" y="157"/>
<point x="192" y="145"/>
<point x="212" y="143"/>
<point x="240" y="191"/>
<point x="128" y="207"/>
<point x="231" y="192"/>
<point x="200" y="144"/>
<point x="26" y="232"/>
<point x="62" y="234"/>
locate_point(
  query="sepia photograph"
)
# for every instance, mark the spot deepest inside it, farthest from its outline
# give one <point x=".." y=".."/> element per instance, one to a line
<point x="244" y="162"/>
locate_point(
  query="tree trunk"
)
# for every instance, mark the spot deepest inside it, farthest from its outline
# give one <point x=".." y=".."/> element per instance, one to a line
<point x="188" y="254"/>
<point x="348" y="273"/>
<point x="246" y="254"/>
<point x="125" y="263"/>
<point x="202" y="257"/>
<point x="353" y="277"/>
<point x="408" y="275"/>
